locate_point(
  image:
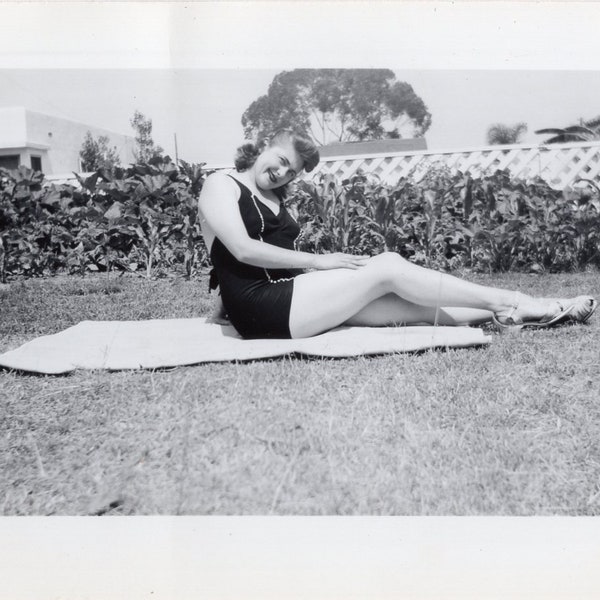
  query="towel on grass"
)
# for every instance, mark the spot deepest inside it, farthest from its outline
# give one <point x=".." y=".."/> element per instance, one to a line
<point x="116" y="345"/>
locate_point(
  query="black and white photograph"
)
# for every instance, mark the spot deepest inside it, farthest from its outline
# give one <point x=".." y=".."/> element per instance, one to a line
<point x="298" y="300"/>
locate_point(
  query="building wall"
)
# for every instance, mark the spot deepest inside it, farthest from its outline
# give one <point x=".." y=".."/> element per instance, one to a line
<point x="12" y="136"/>
<point x="12" y="127"/>
<point x="54" y="140"/>
<point x="384" y="146"/>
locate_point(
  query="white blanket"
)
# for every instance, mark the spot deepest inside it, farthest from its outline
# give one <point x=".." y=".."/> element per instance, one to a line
<point x="153" y="344"/>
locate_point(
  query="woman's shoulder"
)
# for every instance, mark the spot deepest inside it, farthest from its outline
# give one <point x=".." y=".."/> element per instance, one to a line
<point x="221" y="177"/>
<point x="221" y="182"/>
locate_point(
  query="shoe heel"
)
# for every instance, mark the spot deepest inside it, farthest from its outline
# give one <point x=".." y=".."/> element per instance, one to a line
<point x="505" y="328"/>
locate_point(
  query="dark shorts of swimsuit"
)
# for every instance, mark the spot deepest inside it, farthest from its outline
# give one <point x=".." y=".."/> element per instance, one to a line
<point x="261" y="309"/>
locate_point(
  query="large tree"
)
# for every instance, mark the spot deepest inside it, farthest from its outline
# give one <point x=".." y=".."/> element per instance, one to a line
<point x="145" y="146"/>
<point x="338" y="105"/>
<point x="96" y="154"/>
<point x="505" y="134"/>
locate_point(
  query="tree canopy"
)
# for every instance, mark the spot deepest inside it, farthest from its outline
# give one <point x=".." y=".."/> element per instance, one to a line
<point x="96" y="154"/>
<point x="505" y="134"/>
<point x="338" y="105"/>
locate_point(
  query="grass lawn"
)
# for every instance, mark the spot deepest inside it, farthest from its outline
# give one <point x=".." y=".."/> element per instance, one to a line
<point x="511" y="429"/>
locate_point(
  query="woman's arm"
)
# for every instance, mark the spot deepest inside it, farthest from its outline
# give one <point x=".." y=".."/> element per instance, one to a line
<point x="219" y="205"/>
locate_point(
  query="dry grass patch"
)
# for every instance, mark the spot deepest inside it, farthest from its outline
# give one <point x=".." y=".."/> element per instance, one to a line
<point x="512" y="429"/>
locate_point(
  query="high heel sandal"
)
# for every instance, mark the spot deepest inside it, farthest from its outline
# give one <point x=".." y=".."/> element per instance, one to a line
<point x="583" y="309"/>
<point x="511" y="322"/>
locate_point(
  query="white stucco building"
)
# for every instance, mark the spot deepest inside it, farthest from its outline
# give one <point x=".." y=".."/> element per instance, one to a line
<point x="50" y="144"/>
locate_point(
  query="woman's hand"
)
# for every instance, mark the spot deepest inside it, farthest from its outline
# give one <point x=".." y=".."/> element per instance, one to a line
<point x="339" y="260"/>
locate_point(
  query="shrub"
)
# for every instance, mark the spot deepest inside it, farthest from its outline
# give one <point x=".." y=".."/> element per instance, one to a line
<point x="449" y="221"/>
<point x="144" y="218"/>
<point x="117" y="218"/>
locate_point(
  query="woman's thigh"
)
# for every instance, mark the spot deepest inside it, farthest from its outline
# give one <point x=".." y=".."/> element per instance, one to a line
<point x="325" y="299"/>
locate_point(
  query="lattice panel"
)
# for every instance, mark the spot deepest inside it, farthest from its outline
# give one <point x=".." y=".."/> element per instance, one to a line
<point x="558" y="165"/>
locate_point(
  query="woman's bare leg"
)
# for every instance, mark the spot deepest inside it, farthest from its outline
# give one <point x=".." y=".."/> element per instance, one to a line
<point x="393" y="310"/>
<point x="325" y="299"/>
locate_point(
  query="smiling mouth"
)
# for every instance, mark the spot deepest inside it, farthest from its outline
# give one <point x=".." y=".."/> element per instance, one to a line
<point x="271" y="176"/>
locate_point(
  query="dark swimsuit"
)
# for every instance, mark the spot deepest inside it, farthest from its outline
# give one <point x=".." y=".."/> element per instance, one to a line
<point x="257" y="300"/>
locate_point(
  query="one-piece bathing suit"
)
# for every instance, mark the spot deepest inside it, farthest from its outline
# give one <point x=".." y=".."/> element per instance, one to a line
<point x="257" y="300"/>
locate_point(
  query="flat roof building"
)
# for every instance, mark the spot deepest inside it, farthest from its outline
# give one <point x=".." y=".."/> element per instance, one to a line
<point x="385" y="146"/>
<point x="50" y="144"/>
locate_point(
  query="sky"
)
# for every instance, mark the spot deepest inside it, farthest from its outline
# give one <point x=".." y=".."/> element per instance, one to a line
<point x="203" y="107"/>
<point x="193" y="68"/>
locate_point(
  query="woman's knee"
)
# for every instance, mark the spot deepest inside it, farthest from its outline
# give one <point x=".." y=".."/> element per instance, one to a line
<point x="386" y="267"/>
<point x="388" y="261"/>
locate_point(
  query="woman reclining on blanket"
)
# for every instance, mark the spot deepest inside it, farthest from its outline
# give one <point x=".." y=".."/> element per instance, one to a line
<point x="268" y="289"/>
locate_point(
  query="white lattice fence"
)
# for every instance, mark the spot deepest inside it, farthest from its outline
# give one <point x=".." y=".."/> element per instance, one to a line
<point x="559" y="165"/>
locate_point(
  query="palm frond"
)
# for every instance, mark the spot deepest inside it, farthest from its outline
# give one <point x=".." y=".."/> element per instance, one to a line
<point x="593" y="123"/>
<point x="554" y="130"/>
<point x="579" y="129"/>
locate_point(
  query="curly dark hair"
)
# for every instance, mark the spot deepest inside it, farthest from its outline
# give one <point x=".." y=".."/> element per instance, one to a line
<point x="246" y="156"/>
<point x="248" y="153"/>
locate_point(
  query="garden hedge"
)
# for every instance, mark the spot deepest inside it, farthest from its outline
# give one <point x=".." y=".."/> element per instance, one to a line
<point x="144" y="219"/>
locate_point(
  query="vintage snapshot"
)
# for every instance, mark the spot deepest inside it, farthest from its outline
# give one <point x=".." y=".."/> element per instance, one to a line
<point x="298" y="287"/>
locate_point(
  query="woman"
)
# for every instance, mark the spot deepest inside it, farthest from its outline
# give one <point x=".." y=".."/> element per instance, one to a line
<point x="267" y="292"/>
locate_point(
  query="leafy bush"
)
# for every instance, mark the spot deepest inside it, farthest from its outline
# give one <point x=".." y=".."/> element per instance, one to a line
<point x="142" y="216"/>
<point x="451" y="221"/>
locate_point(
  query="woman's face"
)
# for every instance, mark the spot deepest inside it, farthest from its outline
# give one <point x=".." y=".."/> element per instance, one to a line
<point x="277" y="165"/>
